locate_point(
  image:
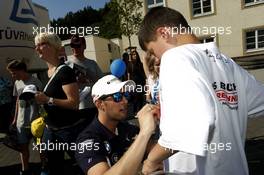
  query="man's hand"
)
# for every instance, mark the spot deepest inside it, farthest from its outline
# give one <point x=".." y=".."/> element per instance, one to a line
<point x="147" y="117"/>
<point x="150" y="167"/>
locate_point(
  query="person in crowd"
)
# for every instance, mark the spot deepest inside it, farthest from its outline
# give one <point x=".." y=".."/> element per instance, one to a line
<point x="104" y="143"/>
<point x="63" y="55"/>
<point x="60" y="99"/>
<point x="87" y="73"/>
<point x="135" y="72"/>
<point x="152" y="82"/>
<point x="26" y="109"/>
<point x="205" y="98"/>
<point x="125" y="58"/>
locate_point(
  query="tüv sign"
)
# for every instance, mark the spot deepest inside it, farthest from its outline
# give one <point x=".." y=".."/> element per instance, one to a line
<point x="18" y="18"/>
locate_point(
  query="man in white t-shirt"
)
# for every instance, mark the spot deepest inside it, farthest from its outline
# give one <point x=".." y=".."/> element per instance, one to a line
<point x="205" y="99"/>
<point x="26" y="109"/>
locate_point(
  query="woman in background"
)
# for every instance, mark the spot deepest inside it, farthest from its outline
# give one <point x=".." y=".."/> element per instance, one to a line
<point x="60" y="99"/>
<point x="136" y="73"/>
<point x="152" y="74"/>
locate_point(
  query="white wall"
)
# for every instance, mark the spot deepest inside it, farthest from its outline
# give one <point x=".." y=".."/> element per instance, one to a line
<point x="259" y="74"/>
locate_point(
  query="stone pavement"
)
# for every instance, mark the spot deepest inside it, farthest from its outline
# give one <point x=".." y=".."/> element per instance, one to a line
<point x="10" y="157"/>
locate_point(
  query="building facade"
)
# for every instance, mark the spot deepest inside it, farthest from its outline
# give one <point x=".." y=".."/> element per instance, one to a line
<point x="236" y="26"/>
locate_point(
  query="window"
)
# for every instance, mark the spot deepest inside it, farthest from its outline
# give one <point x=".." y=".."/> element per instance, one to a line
<point x="252" y="2"/>
<point x="155" y="3"/>
<point x="254" y="40"/>
<point x="202" y="7"/>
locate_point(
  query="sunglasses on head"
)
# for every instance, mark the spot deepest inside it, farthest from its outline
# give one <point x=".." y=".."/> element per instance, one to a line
<point x="118" y="96"/>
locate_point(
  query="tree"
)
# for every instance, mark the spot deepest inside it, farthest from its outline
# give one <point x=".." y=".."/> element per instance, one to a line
<point x="106" y="19"/>
<point x="82" y="18"/>
<point x="110" y="23"/>
<point x="130" y="16"/>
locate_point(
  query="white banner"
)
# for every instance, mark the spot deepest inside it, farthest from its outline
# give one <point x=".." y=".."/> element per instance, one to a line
<point x="17" y="19"/>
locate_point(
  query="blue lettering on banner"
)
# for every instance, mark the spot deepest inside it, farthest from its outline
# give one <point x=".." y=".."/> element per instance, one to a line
<point x="29" y="11"/>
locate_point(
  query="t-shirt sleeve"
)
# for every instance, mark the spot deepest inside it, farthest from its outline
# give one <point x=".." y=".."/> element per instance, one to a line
<point x="187" y="106"/>
<point x="66" y="75"/>
<point x="90" y="152"/>
<point x="15" y="93"/>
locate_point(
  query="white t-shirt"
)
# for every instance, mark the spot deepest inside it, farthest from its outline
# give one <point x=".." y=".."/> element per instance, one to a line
<point x="180" y="162"/>
<point x="205" y="102"/>
<point x="91" y="72"/>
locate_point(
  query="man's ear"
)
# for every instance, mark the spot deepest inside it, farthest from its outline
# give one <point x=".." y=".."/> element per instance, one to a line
<point x="163" y="32"/>
<point x="99" y="105"/>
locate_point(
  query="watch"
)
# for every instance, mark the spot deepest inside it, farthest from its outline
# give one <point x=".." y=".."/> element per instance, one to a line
<point x="51" y="101"/>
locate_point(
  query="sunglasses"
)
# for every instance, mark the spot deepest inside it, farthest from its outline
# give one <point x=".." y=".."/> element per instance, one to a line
<point x="117" y="97"/>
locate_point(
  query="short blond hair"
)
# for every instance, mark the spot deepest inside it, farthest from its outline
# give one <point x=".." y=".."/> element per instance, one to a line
<point x="51" y="38"/>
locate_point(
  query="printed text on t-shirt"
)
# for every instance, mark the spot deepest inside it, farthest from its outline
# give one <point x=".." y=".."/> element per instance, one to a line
<point x="226" y="94"/>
